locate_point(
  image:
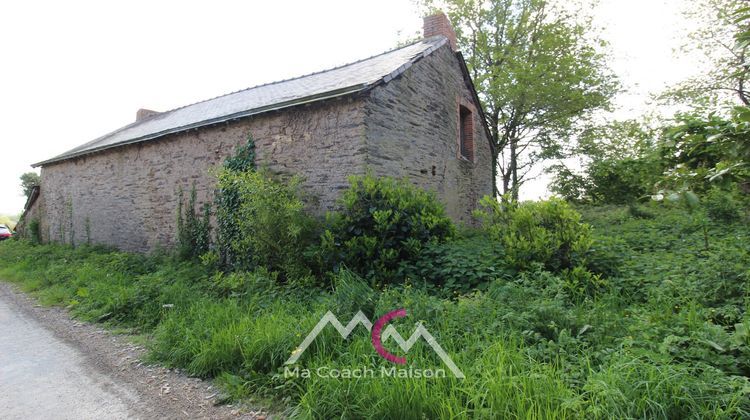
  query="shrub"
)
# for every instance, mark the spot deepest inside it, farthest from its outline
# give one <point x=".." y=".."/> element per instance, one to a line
<point x="581" y="283"/>
<point x="228" y="201"/>
<point x="639" y="212"/>
<point x="383" y="222"/>
<point x="623" y="180"/>
<point x="548" y="232"/>
<point x="273" y="228"/>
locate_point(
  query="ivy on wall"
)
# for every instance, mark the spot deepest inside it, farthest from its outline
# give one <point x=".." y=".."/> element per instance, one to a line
<point x="228" y="202"/>
<point x="193" y="227"/>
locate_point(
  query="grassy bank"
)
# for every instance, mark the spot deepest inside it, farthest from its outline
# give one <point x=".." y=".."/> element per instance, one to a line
<point x="668" y="336"/>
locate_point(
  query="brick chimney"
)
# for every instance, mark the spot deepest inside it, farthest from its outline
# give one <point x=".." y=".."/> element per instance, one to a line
<point x="438" y="24"/>
<point x="144" y="114"/>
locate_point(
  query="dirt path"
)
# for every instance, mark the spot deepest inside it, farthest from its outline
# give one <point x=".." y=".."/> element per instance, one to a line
<point x="54" y="367"/>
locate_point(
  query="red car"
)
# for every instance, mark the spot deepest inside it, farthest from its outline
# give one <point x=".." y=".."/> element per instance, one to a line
<point x="5" y="232"/>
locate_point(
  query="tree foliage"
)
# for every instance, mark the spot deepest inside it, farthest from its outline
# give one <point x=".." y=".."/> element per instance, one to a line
<point x="722" y="40"/>
<point x="695" y="153"/>
<point x="620" y="164"/>
<point x="701" y="151"/>
<point x="29" y="180"/>
<point x="538" y="72"/>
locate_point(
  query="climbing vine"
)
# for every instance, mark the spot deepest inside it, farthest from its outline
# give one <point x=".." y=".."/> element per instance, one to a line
<point x="228" y="201"/>
<point x="193" y="227"/>
<point x="35" y="231"/>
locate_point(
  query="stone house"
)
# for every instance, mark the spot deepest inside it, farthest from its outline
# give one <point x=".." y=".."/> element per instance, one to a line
<point x="410" y="112"/>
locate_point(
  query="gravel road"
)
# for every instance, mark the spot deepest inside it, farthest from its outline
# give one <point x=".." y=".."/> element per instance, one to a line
<point x="52" y="367"/>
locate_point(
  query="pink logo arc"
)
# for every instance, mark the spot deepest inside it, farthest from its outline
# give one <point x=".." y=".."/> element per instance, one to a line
<point x="377" y="330"/>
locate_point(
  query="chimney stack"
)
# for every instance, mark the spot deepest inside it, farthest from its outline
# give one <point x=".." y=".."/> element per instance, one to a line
<point x="144" y="114"/>
<point x="438" y="24"/>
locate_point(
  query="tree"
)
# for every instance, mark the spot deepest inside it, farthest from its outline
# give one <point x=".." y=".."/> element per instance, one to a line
<point x="29" y="180"/>
<point x="702" y="151"/>
<point x="620" y="162"/>
<point x="537" y="75"/>
<point x="719" y="38"/>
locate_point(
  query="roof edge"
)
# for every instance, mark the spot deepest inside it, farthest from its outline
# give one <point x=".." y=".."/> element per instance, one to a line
<point x="257" y="111"/>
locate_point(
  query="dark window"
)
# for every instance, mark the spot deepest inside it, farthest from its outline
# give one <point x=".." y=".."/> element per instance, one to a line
<point x="466" y="133"/>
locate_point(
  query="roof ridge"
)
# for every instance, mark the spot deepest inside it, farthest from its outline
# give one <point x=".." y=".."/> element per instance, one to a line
<point x="294" y="78"/>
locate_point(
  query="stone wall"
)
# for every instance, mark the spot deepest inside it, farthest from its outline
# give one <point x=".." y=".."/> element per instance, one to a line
<point x="412" y="131"/>
<point x="30" y="215"/>
<point x="127" y="196"/>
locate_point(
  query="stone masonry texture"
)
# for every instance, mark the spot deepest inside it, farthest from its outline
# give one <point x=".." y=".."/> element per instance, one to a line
<point x="127" y="197"/>
<point x="412" y="128"/>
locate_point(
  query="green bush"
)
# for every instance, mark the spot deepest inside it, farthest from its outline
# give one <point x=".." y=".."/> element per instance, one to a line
<point x="581" y="283"/>
<point x="621" y="181"/>
<point x="547" y="232"/>
<point x="382" y="223"/>
<point x="621" y="165"/>
<point x="273" y="228"/>
<point x="228" y="202"/>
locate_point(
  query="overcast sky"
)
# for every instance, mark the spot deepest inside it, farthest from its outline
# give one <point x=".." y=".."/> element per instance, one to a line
<point x="74" y="70"/>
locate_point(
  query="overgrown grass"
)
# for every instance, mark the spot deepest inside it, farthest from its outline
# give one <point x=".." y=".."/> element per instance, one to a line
<point x="664" y="340"/>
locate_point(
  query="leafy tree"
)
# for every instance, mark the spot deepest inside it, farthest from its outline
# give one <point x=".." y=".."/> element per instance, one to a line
<point x="537" y="72"/>
<point x="705" y="151"/>
<point x="620" y="164"/>
<point x="722" y="38"/>
<point x="29" y="180"/>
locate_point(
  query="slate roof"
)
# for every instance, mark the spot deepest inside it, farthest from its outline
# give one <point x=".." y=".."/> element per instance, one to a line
<point x="339" y="81"/>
